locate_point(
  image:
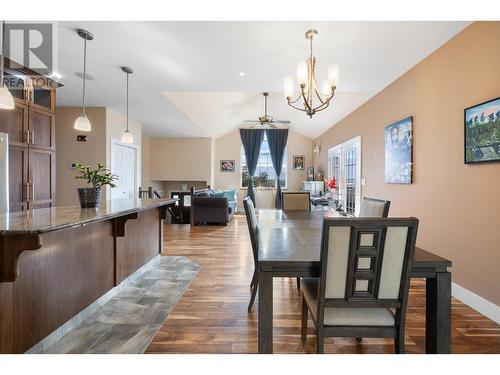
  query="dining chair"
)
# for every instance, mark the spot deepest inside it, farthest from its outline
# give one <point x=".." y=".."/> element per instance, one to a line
<point x="371" y="207"/>
<point x="364" y="280"/>
<point x="296" y="201"/>
<point x="253" y="230"/>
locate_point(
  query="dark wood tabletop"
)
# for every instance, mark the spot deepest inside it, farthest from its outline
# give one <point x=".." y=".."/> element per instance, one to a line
<point x="294" y="237"/>
<point x="289" y="246"/>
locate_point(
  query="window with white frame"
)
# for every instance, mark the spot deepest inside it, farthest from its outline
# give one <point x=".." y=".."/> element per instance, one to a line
<point x="265" y="176"/>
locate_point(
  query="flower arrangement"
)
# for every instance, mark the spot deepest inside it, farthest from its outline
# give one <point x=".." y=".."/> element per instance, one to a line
<point x="331" y="183"/>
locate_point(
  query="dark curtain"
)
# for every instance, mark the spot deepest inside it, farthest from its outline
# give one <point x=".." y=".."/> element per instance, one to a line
<point x="251" y="139"/>
<point x="276" y="139"/>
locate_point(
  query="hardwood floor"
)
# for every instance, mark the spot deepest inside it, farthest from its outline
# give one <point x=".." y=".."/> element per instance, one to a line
<point x="212" y="315"/>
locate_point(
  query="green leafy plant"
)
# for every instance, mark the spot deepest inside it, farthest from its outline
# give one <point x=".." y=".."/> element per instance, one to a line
<point x="98" y="177"/>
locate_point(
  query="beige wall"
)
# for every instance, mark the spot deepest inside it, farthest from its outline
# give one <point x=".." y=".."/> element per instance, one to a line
<point x="146" y="166"/>
<point x="70" y="151"/>
<point x="106" y="125"/>
<point x="458" y="205"/>
<point x="228" y="147"/>
<point x="181" y="159"/>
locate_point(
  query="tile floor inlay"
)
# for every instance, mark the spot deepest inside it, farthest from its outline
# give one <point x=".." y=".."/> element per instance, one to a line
<point x="128" y="322"/>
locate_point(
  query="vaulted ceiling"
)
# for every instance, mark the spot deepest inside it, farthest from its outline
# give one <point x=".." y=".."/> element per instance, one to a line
<point x="187" y="82"/>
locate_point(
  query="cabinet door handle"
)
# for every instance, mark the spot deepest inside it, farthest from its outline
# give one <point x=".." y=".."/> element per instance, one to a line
<point x="25" y="193"/>
<point x="32" y="138"/>
<point x="32" y="191"/>
<point x="27" y="136"/>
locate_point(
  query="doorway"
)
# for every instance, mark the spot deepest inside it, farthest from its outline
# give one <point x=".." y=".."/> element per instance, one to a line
<point x="124" y="163"/>
<point x="344" y="164"/>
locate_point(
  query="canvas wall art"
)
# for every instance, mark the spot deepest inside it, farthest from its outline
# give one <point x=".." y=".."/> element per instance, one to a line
<point x="482" y="132"/>
<point x="399" y="152"/>
<point x="227" y="166"/>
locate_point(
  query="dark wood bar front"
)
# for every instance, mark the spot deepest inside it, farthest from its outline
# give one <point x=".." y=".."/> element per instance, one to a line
<point x="55" y="262"/>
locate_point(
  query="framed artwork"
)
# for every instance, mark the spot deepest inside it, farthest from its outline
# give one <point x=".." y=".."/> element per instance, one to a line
<point x="310" y="173"/>
<point x="299" y="162"/>
<point x="399" y="152"/>
<point x="482" y="132"/>
<point x="227" y="166"/>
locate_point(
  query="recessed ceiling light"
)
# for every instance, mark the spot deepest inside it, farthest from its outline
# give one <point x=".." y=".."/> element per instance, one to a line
<point x="242" y="74"/>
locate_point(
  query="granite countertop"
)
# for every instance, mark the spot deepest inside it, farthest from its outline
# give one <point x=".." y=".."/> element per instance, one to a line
<point x="54" y="218"/>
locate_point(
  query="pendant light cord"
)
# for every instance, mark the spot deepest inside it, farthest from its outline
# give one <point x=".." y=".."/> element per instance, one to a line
<point x="127" y="100"/>
<point x="84" y="71"/>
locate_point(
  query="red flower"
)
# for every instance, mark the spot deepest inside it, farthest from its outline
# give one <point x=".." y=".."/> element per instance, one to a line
<point x="331" y="183"/>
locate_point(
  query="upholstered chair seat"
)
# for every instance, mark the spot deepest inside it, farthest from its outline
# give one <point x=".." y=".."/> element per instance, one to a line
<point x="345" y="316"/>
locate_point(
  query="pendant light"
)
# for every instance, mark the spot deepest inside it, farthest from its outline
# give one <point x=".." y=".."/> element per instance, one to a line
<point x="82" y="123"/>
<point x="6" y="99"/>
<point x="127" y="135"/>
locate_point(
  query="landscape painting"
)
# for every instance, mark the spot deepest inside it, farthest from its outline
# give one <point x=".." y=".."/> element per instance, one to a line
<point x="399" y="152"/>
<point x="482" y="132"/>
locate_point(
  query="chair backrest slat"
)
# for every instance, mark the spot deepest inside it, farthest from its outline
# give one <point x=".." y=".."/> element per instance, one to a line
<point x="253" y="228"/>
<point x="296" y="201"/>
<point x="371" y="207"/>
<point x="366" y="261"/>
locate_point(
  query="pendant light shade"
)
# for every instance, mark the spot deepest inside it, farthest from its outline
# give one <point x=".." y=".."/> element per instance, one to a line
<point x="6" y="99"/>
<point x="82" y="123"/>
<point x="127" y="135"/>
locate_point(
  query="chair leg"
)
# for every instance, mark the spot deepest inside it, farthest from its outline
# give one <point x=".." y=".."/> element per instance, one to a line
<point x="359" y="340"/>
<point x="399" y="341"/>
<point x="320" y="339"/>
<point x="298" y="282"/>
<point x="252" y="298"/>
<point x="305" y="316"/>
<point x="254" y="279"/>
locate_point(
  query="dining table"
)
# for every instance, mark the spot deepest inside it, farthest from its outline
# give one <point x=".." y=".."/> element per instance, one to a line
<point x="289" y="246"/>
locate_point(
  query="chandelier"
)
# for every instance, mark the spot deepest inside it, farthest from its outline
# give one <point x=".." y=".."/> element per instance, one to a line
<point x="308" y="86"/>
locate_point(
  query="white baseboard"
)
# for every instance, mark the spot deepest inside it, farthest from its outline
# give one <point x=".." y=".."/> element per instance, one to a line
<point x="481" y="305"/>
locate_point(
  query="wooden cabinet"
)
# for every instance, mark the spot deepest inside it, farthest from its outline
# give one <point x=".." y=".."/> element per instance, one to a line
<point x="41" y="125"/>
<point x="18" y="178"/>
<point x="31" y="130"/>
<point x="41" y="178"/>
<point x="15" y="124"/>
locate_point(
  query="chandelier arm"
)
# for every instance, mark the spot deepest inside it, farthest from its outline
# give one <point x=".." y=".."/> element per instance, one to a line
<point x="323" y="107"/>
<point x="319" y="97"/>
<point x="300" y="109"/>
<point x="309" y="109"/>
<point x="296" y="100"/>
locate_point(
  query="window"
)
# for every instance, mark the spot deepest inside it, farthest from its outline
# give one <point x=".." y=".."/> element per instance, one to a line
<point x="265" y="176"/>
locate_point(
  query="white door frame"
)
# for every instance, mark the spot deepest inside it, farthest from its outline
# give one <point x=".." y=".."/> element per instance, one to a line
<point x="137" y="169"/>
<point x="339" y="149"/>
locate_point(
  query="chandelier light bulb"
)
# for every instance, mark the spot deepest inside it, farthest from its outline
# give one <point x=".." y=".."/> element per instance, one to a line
<point x="302" y="72"/>
<point x="288" y="87"/>
<point x="333" y="75"/>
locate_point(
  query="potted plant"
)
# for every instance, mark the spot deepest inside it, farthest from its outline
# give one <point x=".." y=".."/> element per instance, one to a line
<point x="90" y="196"/>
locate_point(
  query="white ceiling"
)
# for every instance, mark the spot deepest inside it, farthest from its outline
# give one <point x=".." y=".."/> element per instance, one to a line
<point x="186" y="80"/>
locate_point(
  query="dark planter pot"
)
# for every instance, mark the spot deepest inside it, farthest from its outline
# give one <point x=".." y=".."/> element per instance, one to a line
<point x="89" y="197"/>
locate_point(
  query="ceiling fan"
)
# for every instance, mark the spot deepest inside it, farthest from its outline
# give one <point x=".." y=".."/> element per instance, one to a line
<point x="266" y="121"/>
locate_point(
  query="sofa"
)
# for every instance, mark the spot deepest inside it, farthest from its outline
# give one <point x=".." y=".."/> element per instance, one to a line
<point x="209" y="206"/>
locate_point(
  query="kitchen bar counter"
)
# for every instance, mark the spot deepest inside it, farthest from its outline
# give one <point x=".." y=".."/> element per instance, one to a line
<point x="54" y="262"/>
<point x="49" y="219"/>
